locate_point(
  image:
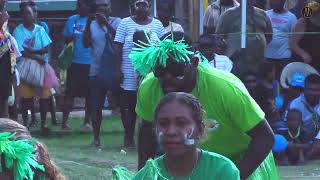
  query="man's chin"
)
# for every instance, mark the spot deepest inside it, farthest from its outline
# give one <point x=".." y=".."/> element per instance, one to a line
<point x="169" y="90"/>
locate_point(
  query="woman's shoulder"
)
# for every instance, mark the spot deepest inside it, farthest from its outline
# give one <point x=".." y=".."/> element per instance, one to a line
<point x="19" y="27"/>
<point x="219" y="162"/>
<point x="215" y="157"/>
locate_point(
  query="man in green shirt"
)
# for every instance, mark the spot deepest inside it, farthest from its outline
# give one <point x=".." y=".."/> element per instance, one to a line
<point x="241" y="133"/>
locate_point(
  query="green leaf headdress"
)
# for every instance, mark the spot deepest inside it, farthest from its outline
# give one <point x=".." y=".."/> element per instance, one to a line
<point x="18" y="156"/>
<point x="147" y="56"/>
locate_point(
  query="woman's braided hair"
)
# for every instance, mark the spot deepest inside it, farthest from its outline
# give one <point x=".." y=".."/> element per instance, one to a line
<point x="52" y="172"/>
<point x="186" y="99"/>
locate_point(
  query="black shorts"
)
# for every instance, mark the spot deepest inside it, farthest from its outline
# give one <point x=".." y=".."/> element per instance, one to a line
<point x="78" y="80"/>
<point x="5" y="76"/>
<point x="128" y="99"/>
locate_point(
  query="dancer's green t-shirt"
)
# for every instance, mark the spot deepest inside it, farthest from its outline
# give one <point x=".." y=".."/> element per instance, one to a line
<point x="225" y="100"/>
<point x="209" y="166"/>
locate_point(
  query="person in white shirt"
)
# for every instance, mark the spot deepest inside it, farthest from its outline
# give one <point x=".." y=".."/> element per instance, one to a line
<point x="164" y="15"/>
<point x="212" y="47"/>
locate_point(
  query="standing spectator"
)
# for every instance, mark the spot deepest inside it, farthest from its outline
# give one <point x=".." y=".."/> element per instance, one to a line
<point x="78" y="73"/>
<point x="33" y="42"/>
<point x="52" y="105"/>
<point x="283" y="21"/>
<point x="124" y="41"/>
<point x="259" y="24"/>
<point x="305" y="37"/>
<point x="308" y="104"/>
<point x="7" y="60"/>
<point x="213" y="13"/>
<point x="165" y="16"/>
<point x="100" y="30"/>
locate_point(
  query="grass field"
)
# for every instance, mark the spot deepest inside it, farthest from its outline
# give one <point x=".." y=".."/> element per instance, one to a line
<point x="78" y="161"/>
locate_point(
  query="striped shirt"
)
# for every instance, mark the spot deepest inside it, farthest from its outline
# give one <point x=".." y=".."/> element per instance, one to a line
<point x="124" y="35"/>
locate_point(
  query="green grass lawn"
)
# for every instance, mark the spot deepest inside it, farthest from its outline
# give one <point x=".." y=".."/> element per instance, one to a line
<point x="78" y="161"/>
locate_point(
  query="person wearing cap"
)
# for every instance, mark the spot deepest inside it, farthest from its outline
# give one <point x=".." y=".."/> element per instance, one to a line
<point x="296" y="85"/>
<point x="242" y="132"/>
<point x="308" y="104"/>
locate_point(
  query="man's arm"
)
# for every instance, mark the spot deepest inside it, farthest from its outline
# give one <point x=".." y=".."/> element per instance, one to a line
<point x="269" y="30"/>
<point x="259" y="148"/>
<point x="35" y="57"/>
<point x="42" y="51"/>
<point x="119" y="47"/>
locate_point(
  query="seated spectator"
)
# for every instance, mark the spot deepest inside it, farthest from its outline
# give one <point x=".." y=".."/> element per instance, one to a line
<point x="211" y="46"/>
<point x="165" y="16"/>
<point x="179" y="126"/>
<point x="296" y="86"/>
<point x="261" y="91"/>
<point x="298" y="145"/>
<point x="308" y="104"/>
<point x="29" y="153"/>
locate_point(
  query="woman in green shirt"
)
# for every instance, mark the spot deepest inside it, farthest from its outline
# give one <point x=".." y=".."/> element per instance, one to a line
<point x="179" y="127"/>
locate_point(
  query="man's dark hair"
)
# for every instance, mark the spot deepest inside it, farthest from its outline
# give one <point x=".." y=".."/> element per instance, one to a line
<point x="23" y="5"/>
<point x="186" y="99"/>
<point x="161" y="4"/>
<point x="313" y="78"/>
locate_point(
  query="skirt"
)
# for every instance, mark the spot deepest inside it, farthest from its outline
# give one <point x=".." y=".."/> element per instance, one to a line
<point x="78" y="80"/>
<point x="5" y="76"/>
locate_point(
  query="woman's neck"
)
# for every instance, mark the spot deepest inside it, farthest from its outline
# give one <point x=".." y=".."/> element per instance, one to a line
<point x="141" y="20"/>
<point x="29" y="26"/>
<point x="182" y="165"/>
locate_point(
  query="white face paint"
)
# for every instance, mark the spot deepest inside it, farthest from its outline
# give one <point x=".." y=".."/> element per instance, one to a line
<point x="187" y="138"/>
<point x="160" y="137"/>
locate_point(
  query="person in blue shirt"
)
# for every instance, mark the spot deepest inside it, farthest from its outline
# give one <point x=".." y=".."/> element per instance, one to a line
<point x="34" y="44"/>
<point x="45" y="26"/>
<point x="78" y="73"/>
